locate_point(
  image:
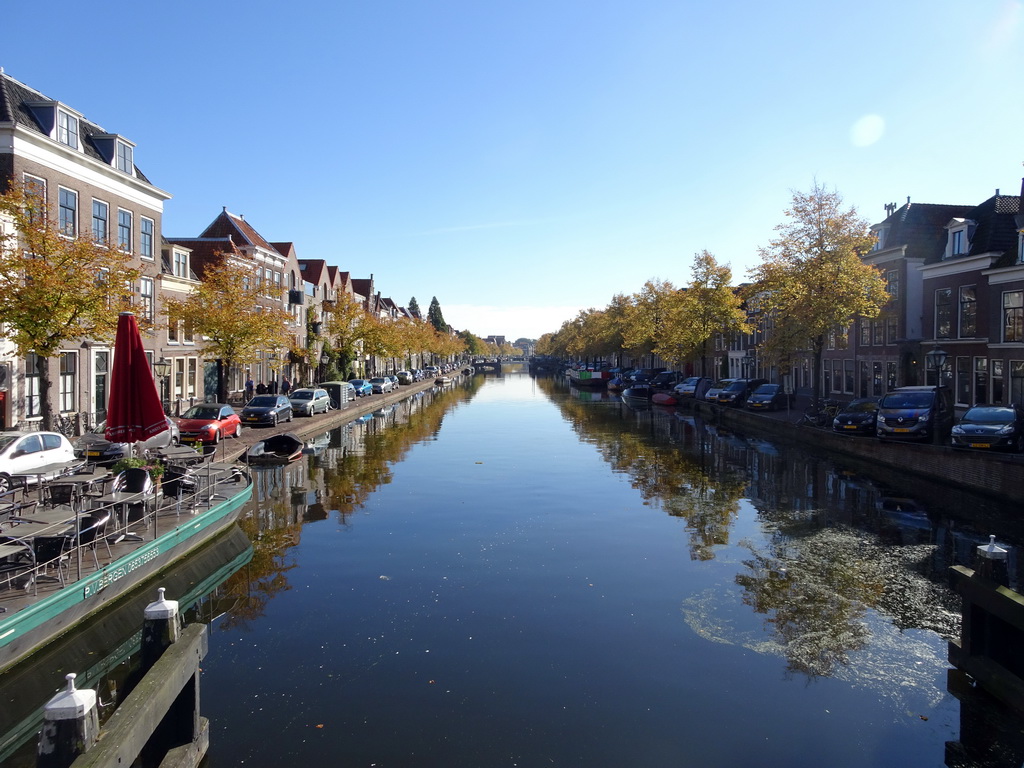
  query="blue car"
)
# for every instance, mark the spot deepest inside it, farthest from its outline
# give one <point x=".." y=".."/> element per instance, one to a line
<point x="362" y="387"/>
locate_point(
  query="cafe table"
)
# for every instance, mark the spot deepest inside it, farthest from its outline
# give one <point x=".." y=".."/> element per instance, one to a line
<point x="55" y="470"/>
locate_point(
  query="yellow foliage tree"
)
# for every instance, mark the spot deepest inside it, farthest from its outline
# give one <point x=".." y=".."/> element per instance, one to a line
<point x="56" y="286"/>
<point x="811" y="281"/>
<point x="226" y="310"/>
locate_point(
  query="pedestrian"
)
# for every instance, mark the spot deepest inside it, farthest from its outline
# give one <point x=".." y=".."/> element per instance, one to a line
<point x="261" y="388"/>
<point x="273" y="386"/>
<point x="285" y="385"/>
<point x="249" y="387"/>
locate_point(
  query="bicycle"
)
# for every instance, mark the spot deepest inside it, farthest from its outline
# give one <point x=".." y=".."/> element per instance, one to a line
<point x="65" y="424"/>
<point x="820" y="414"/>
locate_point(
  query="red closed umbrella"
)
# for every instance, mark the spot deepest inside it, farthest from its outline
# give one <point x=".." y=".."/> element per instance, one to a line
<point x="134" y="411"/>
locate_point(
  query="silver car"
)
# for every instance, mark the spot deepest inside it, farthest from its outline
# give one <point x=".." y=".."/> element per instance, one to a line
<point x="94" y="447"/>
<point x="309" y="401"/>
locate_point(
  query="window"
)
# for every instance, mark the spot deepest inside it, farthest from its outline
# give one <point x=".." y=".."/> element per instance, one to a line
<point x="963" y="380"/>
<point x="35" y="190"/>
<point x="958" y="241"/>
<point x="943" y="313"/>
<point x="865" y="333"/>
<point x="1017" y="381"/>
<point x="1013" y="316"/>
<point x="102" y="362"/>
<point x="878" y="333"/>
<point x="181" y="264"/>
<point x="68" y="371"/>
<point x="997" y="381"/>
<point x="968" y="312"/>
<point x="188" y="332"/>
<point x="67" y="129"/>
<point x="124" y="230"/>
<point x="892" y="283"/>
<point x="146" y="238"/>
<point x="33" y="402"/>
<point x="980" y="380"/>
<point x="146" y="297"/>
<point x="876" y="380"/>
<point x="125" y="162"/>
<point x="848" y="376"/>
<point x="68" y="203"/>
<point x="892" y="330"/>
<point x="865" y="377"/>
<point x="100" y="221"/>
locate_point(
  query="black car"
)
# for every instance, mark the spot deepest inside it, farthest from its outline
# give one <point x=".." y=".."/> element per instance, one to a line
<point x="857" y="417"/>
<point x="267" y="409"/>
<point x="990" y="426"/>
<point x="737" y="392"/>
<point x="767" y="397"/>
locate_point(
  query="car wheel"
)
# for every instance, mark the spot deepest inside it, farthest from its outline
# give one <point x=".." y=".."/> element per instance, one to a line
<point x="275" y="419"/>
<point x="216" y="437"/>
<point x="5" y="482"/>
<point x="238" y="431"/>
<point x="1018" y="444"/>
<point x="289" y="419"/>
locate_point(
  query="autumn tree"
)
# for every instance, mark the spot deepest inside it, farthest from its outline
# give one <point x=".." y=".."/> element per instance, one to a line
<point x="345" y="328"/>
<point x="811" y="281"/>
<point x="225" y="310"/>
<point x="55" y="286"/>
<point x="646" y="316"/>
<point x="708" y="306"/>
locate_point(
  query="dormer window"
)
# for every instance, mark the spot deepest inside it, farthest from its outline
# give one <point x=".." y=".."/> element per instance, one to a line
<point x="880" y="233"/>
<point x="125" y="161"/>
<point x="67" y="128"/>
<point x="959" y="240"/>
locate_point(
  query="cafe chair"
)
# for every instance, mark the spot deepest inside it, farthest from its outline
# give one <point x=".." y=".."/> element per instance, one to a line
<point x="136" y="480"/>
<point x="91" y="531"/>
<point x="19" y="564"/>
<point x="65" y="494"/>
<point x="51" y="552"/>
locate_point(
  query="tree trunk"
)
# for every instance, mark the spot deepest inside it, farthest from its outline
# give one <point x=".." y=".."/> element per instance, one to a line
<point x="45" y="385"/>
<point x="222" y="393"/>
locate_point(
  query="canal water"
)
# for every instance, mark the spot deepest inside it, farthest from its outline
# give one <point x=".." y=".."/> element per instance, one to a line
<point x="514" y="573"/>
<point x="510" y="572"/>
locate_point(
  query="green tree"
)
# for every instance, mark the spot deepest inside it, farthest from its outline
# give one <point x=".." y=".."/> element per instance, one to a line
<point x="226" y="310"/>
<point x="811" y="281"/>
<point x="414" y="307"/>
<point x="646" y="316"/>
<point x="435" y="317"/>
<point x="55" y="286"/>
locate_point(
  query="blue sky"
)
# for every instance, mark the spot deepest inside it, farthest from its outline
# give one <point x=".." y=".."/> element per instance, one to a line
<point x="520" y="160"/>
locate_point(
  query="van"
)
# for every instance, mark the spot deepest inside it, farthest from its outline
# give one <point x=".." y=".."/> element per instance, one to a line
<point x="915" y="413"/>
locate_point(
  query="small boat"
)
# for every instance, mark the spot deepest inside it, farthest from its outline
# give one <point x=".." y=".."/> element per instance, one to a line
<point x="616" y="384"/>
<point x="639" y="392"/>
<point x="442" y="380"/>
<point x="587" y="378"/>
<point x="664" y="398"/>
<point x="276" y="449"/>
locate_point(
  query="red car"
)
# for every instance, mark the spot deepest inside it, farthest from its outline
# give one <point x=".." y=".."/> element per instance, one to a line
<point x="208" y="423"/>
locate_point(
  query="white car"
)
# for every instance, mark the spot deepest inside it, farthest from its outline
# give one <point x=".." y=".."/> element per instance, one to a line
<point x="23" y="452"/>
<point x="381" y="384"/>
<point x="308" y="401"/>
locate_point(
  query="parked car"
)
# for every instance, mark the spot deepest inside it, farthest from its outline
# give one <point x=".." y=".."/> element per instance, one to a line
<point x="915" y="413"/>
<point x="94" y="447"/>
<point x="381" y="384"/>
<point x="208" y="423"/>
<point x="267" y="409"/>
<point x="27" y="451"/>
<point x="857" y="417"/>
<point x="665" y="379"/>
<point x="689" y="386"/>
<point x="309" y="401"/>
<point x="738" y="390"/>
<point x="990" y="426"/>
<point x="716" y="389"/>
<point x="767" y="397"/>
<point x="394" y="380"/>
<point x="362" y="387"/>
<point x="404" y="377"/>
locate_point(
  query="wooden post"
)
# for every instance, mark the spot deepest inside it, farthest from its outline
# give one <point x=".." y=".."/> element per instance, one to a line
<point x="71" y="727"/>
<point x="161" y="628"/>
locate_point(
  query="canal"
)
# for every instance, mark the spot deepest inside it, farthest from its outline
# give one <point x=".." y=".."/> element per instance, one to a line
<point x="513" y="573"/>
<point x="510" y="572"/>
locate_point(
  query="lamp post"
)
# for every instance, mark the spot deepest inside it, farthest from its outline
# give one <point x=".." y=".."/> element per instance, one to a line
<point x="162" y="369"/>
<point x="936" y="358"/>
<point x="324" y="360"/>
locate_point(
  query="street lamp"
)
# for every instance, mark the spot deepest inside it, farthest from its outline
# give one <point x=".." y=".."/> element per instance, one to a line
<point x="935" y="359"/>
<point x="324" y="360"/>
<point x="162" y="369"/>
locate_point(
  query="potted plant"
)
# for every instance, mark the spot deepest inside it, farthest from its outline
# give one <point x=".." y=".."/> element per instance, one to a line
<point x="153" y="466"/>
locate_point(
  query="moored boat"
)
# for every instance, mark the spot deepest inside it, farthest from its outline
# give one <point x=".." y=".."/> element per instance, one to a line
<point x="585" y="378"/>
<point x="90" y="574"/>
<point x="276" y="449"/>
<point x="664" y="398"/>
<point x="638" y="392"/>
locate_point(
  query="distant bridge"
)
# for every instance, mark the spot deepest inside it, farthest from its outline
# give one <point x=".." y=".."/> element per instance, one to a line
<point x="486" y="366"/>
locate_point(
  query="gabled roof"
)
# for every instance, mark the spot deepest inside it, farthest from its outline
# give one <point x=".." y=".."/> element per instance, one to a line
<point x="207" y="250"/>
<point x="314" y="270"/>
<point x="996" y="230"/>
<point x="16" y="100"/>
<point x="228" y="224"/>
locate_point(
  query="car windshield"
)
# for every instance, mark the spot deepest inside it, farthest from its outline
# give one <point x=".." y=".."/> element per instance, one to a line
<point x="201" y="412"/>
<point x="692" y="380"/>
<point x="6" y="440"/>
<point x="989" y="415"/>
<point x="907" y="400"/>
<point x="302" y="394"/>
<point x="767" y="389"/>
<point x="736" y="386"/>
<point x="377" y="380"/>
<point x="356" y="382"/>
<point x="263" y="401"/>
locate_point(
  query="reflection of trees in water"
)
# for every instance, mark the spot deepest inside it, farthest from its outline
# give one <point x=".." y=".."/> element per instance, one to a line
<point x="339" y="480"/>
<point x="686" y="485"/>
<point x="817" y="576"/>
